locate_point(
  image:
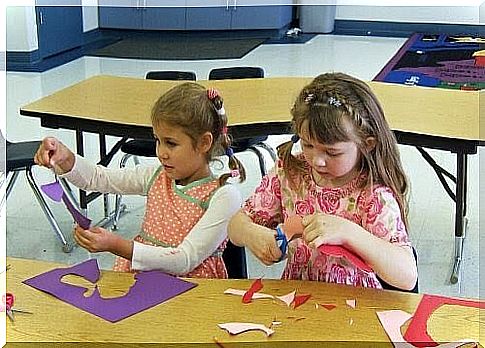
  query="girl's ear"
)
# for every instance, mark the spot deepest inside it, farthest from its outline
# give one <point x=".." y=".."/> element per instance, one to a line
<point x="205" y="142"/>
<point x="370" y="143"/>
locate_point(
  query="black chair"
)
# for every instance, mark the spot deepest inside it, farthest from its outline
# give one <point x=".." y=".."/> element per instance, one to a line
<point x="146" y="147"/>
<point x="235" y="259"/>
<point x="390" y="287"/>
<point x="240" y="144"/>
<point x="20" y="157"/>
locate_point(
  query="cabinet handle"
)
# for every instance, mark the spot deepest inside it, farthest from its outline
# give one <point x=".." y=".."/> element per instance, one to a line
<point x="227" y="5"/>
<point x="41" y="19"/>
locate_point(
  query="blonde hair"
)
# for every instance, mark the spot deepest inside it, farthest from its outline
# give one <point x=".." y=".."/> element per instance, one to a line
<point x="327" y="107"/>
<point x="189" y="107"/>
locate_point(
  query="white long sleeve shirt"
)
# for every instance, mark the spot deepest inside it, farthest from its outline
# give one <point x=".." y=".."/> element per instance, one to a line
<point x="201" y="242"/>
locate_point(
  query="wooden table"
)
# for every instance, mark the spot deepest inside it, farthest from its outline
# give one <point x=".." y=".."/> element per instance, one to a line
<point x="192" y="317"/>
<point x="449" y="120"/>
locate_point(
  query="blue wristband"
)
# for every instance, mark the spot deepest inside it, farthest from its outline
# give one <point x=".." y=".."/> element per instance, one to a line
<point x="282" y="241"/>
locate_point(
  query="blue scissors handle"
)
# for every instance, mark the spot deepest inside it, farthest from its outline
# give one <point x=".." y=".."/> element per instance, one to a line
<point x="282" y="241"/>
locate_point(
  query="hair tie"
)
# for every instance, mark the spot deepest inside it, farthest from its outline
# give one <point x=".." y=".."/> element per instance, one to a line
<point x="234" y="173"/>
<point x="212" y="93"/>
<point x="224" y="130"/>
<point x="229" y="152"/>
<point x="295" y="138"/>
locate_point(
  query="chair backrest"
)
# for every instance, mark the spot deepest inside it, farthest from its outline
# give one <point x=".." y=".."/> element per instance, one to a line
<point x="235" y="259"/>
<point x="237" y="72"/>
<point x="171" y="75"/>
<point x="390" y="287"/>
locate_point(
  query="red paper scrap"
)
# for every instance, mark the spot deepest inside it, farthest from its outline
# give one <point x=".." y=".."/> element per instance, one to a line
<point x="417" y="333"/>
<point x="255" y="287"/>
<point x="300" y="299"/>
<point x="338" y="250"/>
<point x="328" y="306"/>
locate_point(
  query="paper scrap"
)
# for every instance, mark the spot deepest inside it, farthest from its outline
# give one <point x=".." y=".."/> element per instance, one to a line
<point x="300" y="299"/>
<point x="255" y="287"/>
<point x="237" y="328"/>
<point x="288" y="298"/>
<point x="328" y="306"/>
<point x="55" y="192"/>
<point x="256" y="295"/>
<point x="350" y="303"/>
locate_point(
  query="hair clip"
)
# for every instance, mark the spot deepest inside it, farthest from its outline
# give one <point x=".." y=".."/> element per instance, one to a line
<point x="295" y="138"/>
<point x="212" y="93"/>
<point x="334" y="101"/>
<point x="309" y="97"/>
<point x="235" y="173"/>
<point x="221" y="111"/>
<point x="229" y="152"/>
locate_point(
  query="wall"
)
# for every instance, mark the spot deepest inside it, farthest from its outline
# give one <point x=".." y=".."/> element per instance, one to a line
<point x="425" y="14"/>
<point x="22" y="28"/>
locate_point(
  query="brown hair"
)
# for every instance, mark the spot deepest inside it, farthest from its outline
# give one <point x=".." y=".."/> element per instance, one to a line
<point x="189" y="107"/>
<point x="327" y="107"/>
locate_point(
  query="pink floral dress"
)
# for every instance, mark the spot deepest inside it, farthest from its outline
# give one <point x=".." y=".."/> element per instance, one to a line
<point x="375" y="209"/>
<point x="171" y="213"/>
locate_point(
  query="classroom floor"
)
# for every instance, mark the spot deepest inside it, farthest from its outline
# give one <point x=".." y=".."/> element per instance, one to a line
<point x="431" y="210"/>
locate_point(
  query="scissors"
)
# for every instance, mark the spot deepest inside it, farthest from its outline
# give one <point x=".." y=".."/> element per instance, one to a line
<point x="282" y="241"/>
<point x="9" y="301"/>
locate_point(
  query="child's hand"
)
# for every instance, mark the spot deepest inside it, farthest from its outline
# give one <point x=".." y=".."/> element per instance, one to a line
<point x="54" y="154"/>
<point x="95" y="239"/>
<point x="262" y="243"/>
<point x="326" y="229"/>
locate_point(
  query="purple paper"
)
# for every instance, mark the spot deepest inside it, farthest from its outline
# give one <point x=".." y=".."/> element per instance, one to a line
<point x="150" y="289"/>
<point x="55" y="192"/>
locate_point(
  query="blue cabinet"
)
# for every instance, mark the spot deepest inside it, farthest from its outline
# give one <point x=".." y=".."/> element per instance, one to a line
<point x="195" y="15"/>
<point x="140" y="14"/>
<point x="59" y="28"/>
<point x="261" y="17"/>
<point x="209" y="18"/>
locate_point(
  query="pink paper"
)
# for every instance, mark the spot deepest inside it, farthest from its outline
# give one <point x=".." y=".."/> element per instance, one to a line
<point x="288" y="298"/>
<point x="237" y="328"/>
<point x="150" y="289"/>
<point x="350" y="303"/>
<point x="340" y="251"/>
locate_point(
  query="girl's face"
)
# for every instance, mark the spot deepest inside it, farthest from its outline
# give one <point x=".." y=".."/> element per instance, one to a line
<point x="182" y="162"/>
<point x="333" y="165"/>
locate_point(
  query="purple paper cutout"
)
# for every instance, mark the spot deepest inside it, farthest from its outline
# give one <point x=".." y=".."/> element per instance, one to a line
<point x="55" y="192"/>
<point x="150" y="289"/>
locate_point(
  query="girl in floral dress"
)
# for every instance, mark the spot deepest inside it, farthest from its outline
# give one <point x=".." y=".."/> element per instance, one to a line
<point x="184" y="230"/>
<point x="348" y="185"/>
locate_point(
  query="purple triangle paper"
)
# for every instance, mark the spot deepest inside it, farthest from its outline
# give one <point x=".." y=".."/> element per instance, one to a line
<point x="150" y="289"/>
<point x="55" y="192"/>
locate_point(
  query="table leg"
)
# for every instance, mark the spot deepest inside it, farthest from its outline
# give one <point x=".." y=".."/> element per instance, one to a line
<point x="460" y="212"/>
